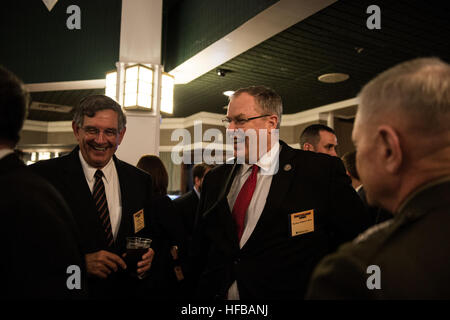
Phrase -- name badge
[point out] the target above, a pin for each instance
(139, 223)
(302, 222)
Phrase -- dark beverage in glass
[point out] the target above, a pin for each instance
(134, 255)
(136, 248)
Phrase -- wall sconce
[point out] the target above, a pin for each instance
(138, 92)
(167, 86)
(111, 85)
(136, 88)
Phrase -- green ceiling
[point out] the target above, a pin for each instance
(193, 25)
(291, 61)
(334, 39)
(38, 46)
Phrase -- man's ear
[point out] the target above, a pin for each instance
(196, 181)
(75, 129)
(392, 154)
(121, 134)
(308, 147)
(273, 122)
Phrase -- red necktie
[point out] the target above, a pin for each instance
(243, 201)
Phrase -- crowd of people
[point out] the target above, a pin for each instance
(314, 228)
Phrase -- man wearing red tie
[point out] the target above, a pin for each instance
(267, 217)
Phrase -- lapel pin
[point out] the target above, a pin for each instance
(287, 167)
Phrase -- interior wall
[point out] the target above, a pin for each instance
(343, 130)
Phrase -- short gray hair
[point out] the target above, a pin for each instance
(266, 98)
(418, 89)
(90, 105)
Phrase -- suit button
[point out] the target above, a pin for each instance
(237, 261)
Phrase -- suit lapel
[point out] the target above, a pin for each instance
(218, 216)
(282, 180)
(125, 184)
(229, 174)
(75, 180)
(77, 188)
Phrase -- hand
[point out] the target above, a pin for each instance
(102, 263)
(145, 263)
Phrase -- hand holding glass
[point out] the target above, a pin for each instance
(136, 248)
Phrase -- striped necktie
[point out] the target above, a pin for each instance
(102, 206)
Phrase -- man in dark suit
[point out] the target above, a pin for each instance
(377, 215)
(109, 199)
(186, 205)
(319, 138)
(38, 237)
(402, 136)
(266, 219)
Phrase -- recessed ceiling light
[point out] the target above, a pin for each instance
(228, 93)
(333, 77)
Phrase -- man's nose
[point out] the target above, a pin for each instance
(100, 138)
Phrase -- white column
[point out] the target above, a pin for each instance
(141, 31)
(330, 120)
(140, 42)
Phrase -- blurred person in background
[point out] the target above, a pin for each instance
(174, 251)
(377, 214)
(319, 138)
(186, 205)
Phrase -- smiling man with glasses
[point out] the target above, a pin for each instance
(259, 231)
(110, 199)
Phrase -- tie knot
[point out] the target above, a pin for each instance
(98, 174)
(255, 169)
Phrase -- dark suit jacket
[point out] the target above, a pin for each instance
(412, 251)
(66, 174)
(377, 214)
(37, 237)
(186, 207)
(273, 264)
(172, 228)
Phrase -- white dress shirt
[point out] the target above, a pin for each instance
(112, 190)
(268, 165)
(197, 192)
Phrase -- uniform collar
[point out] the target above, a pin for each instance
(405, 206)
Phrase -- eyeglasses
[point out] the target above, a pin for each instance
(93, 131)
(240, 122)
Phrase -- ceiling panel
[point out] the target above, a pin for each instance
(335, 39)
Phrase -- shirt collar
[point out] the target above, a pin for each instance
(89, 171)
(196, 192)
(358, 188)
(268, 163)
